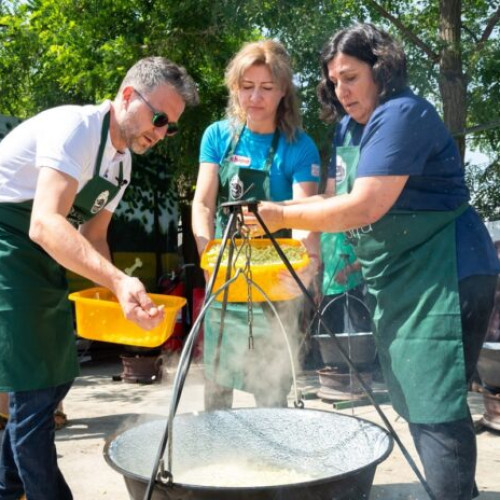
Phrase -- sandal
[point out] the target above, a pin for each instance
(60, 419)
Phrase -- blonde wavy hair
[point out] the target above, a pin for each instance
(272, 54)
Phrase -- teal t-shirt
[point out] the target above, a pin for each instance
(293, 162)
(333, 248)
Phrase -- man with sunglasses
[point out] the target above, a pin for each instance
(62, 174)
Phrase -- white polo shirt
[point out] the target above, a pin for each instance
(65, 138)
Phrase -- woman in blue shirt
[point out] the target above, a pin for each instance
(427, 259)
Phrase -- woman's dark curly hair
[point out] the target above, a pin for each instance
(372, 46)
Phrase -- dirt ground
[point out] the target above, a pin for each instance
(98, 407)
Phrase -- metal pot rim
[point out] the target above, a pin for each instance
(337, 477)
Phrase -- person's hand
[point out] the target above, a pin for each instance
(341, 277)
(136, 304)
(271, 213)
(306, 276)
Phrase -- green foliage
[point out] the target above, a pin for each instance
(486, 189)
(77, 51)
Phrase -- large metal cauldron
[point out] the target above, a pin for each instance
(284, 453)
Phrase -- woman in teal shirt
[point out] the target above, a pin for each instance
(258, 152)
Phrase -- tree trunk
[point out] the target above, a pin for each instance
(452, 82)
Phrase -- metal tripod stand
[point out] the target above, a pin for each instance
(162, 474)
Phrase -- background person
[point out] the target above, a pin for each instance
(341, 274)
(428, 261)
(258, 152)
(493, 334)
(66, 167)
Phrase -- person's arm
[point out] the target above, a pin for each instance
(331, 187)
(49, 228)
(204, 204)
(304, 201)
(95, 231)
(370, 199)
(310, 239)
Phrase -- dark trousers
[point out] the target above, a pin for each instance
(448, 450)
(28, 461)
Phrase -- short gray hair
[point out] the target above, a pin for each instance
(150, 72)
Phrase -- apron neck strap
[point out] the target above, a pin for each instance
(102, 144)
(349, 132)
(272, 150)
(234, 141)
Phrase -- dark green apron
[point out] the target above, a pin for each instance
(409, 265)
(239, 183)
(238, 365)
(37, 343)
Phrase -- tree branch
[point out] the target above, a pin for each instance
(492, 21)
(406, 32)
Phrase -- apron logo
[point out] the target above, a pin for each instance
(341, 170)
(358, 232)
(100, 202)
(236, 188)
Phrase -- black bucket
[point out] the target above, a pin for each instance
(255, 453)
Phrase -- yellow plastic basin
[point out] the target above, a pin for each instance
(264, 275)
(99, 316)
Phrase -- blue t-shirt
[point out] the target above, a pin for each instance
(406, 136)
(293, 162)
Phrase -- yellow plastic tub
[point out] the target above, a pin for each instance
(99, 316)
(264, 275)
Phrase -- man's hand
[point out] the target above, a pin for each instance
(136, 304)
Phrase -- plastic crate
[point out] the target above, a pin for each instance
(99, 316)
(264, 275)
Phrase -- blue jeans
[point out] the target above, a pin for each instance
(28, 460)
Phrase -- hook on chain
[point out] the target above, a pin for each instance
(164, 476)
(299, 403)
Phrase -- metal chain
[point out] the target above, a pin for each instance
(247, 273)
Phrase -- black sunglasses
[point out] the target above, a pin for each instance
(160, 119)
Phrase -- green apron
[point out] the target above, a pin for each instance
(37, 343)
(409, 265)
(239, 367)
(335, 245)
(239, 183)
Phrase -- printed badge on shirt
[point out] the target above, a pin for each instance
(240, 161)
(315, 170)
